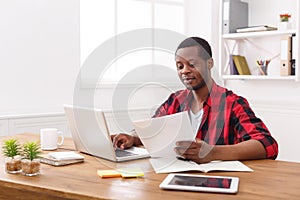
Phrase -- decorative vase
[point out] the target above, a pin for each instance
(13, 165)
(284, 25)
(31, 168)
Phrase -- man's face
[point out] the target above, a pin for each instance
(192, 70)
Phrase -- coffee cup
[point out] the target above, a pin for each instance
(49, 138)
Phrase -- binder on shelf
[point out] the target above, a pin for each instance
(235, 15)
(285, 55)
(241, 65)
(232, 67)
(294, 45)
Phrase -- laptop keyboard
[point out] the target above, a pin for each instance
(122, 153)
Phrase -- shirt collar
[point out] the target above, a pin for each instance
(190, 97)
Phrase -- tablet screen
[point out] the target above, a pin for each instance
(201, 181)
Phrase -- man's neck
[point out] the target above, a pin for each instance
(200, 96)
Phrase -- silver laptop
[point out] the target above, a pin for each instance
(90, 134)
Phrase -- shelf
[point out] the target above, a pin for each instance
(260, 45)
(258, 34)
(257, 77)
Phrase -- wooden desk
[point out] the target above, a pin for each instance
(270, 180)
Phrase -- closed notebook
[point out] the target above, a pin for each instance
(241, 65)
(47, 159)
(61, 158)
(256, 28)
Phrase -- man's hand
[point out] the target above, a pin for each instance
(199, 151)
(122, 141)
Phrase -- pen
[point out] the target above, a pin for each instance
(259, 64)
(184, 159)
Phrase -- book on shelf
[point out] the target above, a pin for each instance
(294, 46)
(241, 65)
(232, 67)
(255, 29)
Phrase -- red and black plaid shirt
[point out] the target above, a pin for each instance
(227, 118)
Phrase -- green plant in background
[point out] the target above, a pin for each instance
(31, 150)
(11, 148)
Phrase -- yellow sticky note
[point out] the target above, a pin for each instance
(108, 173)
(131, 172)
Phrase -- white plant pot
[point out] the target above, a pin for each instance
(284, 26)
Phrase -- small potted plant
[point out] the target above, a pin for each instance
(11, 150)
(31, 161)
(284, 23)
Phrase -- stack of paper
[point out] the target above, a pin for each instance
(255, 28)
(61, 158)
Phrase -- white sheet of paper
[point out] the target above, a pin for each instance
(66, 155)
(159, 135)
(167, 165)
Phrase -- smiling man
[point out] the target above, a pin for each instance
(225, 126)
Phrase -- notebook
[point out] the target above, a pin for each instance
(61, 158)
(90, 134)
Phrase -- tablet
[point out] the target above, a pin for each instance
(200, 183)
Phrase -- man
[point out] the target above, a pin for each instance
(226, 127)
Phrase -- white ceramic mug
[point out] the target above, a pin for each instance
(49, 138)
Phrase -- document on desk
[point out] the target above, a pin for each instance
(159, 135)
(167, 165)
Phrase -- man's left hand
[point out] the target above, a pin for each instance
(199, 151)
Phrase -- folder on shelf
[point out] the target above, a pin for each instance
(294, 46)
(235, 14)
(232, 67)
(241, 65)
(285, 55)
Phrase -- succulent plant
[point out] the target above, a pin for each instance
(11, 148)
(31, 150)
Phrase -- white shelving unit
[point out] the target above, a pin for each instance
(261, 45)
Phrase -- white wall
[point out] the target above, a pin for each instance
(39, 55)
(277, 103)
(201, 23)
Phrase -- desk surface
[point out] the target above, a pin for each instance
(270, 180)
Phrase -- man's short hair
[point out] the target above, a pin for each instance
(204, 47)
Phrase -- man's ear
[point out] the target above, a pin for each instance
(210, 63)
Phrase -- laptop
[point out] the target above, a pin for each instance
(90, 134)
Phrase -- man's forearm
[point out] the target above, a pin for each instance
(248, 150)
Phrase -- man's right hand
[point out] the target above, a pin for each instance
(122, 140)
